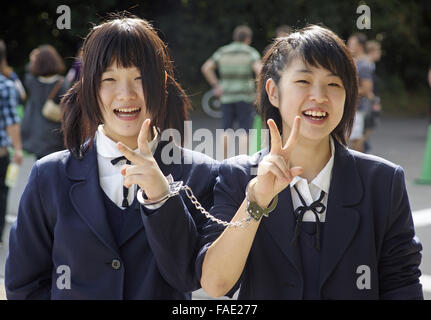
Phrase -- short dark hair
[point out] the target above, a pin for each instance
(128, 41)
(242, 33)
(2, 50)
(372, 45)
(47, 62)
(318, 47)
(4, 68)
(362, 39)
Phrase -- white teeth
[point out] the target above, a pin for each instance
(130, 110)
(315, 113)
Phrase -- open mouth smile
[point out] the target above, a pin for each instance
(127, 113)
(317, 116)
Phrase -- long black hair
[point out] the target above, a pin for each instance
(317, 47)
(128, 41)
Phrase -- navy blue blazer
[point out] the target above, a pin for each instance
(369, 232)
(62, 223)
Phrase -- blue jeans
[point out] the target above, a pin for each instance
(4, 162)
(241, 111)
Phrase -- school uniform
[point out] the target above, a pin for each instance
(68, 223)
(367, 244)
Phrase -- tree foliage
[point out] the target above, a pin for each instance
(193, 29)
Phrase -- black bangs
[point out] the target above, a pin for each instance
(122, 45)
(127, 41)
(320, 50)
(317, 47)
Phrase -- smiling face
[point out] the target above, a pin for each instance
(314, 93)
(122, 103)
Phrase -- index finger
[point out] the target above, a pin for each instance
(143, 145)
(294, 134)
(275, 137)
(129, 153)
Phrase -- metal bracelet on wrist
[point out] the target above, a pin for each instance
(174, 189)
(255, 211)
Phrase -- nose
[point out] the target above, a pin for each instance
(318, 93)
(126, 91)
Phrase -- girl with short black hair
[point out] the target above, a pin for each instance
(81, 231)
(338, 223)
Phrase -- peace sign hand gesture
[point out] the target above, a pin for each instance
(273, 172)
(145, 172)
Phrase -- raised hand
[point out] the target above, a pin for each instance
(273, 173)
(145, 171)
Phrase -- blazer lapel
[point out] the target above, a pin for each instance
(342, 220)
(280, 224)
(166, 153)
(134, 223)
(86, 196)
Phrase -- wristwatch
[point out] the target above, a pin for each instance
(255, 211)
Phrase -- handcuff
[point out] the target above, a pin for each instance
(174, 189)
(255, 211)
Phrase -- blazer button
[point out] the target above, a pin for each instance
(116, 264)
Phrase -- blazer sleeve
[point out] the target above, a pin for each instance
(401, 251)
(229, 192)
(29, 264)
(173, 231)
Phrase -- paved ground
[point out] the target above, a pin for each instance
(400, 140)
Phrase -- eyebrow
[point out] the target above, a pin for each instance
(330, 74)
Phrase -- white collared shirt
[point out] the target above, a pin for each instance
(110, 177)
(310, 192)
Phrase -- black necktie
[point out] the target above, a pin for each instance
(317, 207)
(125, 203)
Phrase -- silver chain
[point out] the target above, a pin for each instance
(237, 224)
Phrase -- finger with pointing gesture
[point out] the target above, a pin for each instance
(273, 173)
(145, 171)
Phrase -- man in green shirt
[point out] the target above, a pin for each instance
(237, 64)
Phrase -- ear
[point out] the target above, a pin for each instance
(272, 92)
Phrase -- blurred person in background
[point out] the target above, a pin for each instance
(237, 64)
(75, 70)
(374, 54)
(9, 132)
(41, 136)
(356, 44)
(9, 73)
(429, 83)
(281, 31)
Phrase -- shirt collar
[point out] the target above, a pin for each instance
(323, 179)
(49, 79)
(107, 148)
